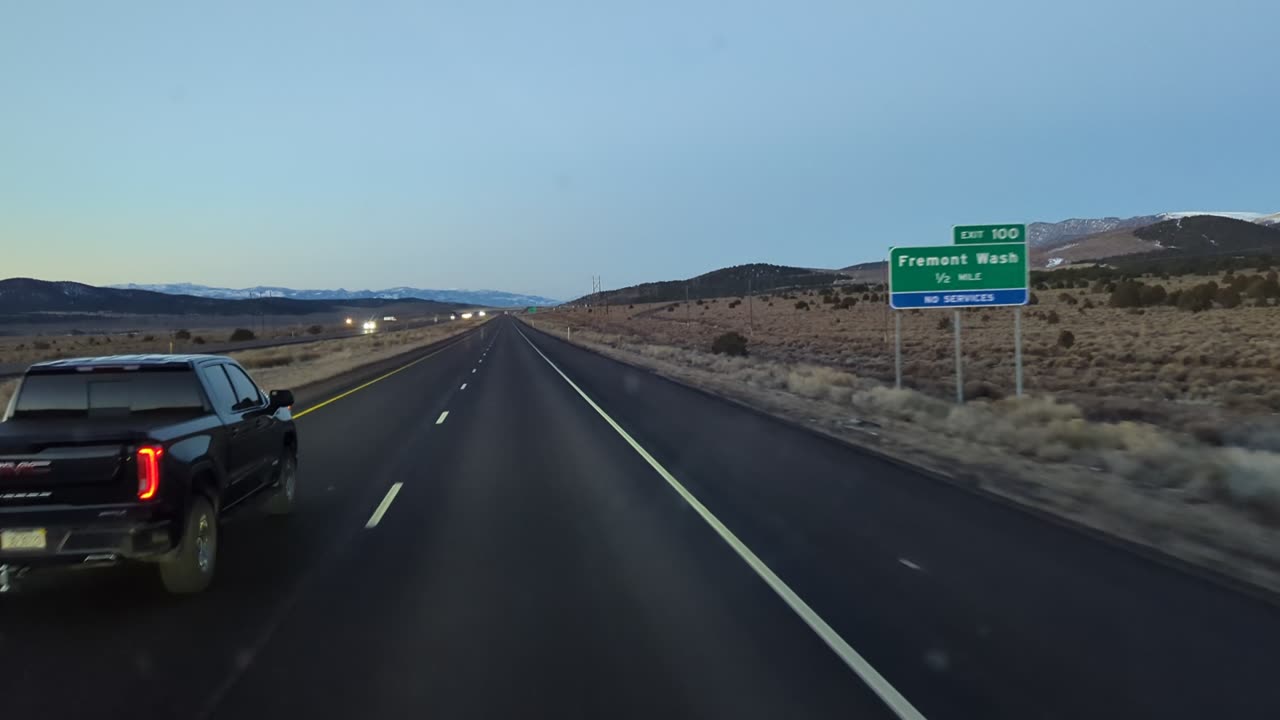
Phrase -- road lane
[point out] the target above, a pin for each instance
(1002, 615)
(532, 566)
(130, 651)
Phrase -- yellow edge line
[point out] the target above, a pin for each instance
(380, 378)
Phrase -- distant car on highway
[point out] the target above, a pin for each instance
(136, 458)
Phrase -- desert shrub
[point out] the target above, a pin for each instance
(1041, 286)
(40, 345)
(698, 301)
(1127, 294)
(802, 305)
(730, 343)
(1228, 297)
(315, 329)
(1052, 318)
(197, 340)
(309, 356)
(182, 335)
(734, 304)
(828, 299)
(241, 334)
(1066, 339)
(268, 361)
(1068, 298)
(875, 297)
(1198, 298)
(1152, 295)
(1087, 304)
(1033, 299)
(671, 308)
(848, 302)
(148, 338)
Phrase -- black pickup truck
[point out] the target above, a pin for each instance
(137, 458)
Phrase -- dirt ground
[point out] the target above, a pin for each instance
(1165, 366)
(293, 366)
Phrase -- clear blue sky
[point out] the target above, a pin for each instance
(526, 146)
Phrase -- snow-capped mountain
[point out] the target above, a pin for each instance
(1042, 235)
(487, 298)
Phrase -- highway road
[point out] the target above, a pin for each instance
(510, 526)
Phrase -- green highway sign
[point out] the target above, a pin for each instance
(955, 276)
(532, 309)
(982, 234)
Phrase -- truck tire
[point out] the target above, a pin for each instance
(281, 503)
(190, 569)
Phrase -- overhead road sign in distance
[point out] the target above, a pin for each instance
(956, 276)
(983, 234)
(531, 309)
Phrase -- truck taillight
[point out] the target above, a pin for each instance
(149, 471)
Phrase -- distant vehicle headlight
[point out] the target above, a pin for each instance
(481, 313)
(370, 325)
(453, 317)
(466, 316)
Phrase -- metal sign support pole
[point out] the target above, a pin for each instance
(897, 349)
(959, 365)
(1017, 349)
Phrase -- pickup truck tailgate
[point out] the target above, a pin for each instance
(90, 468)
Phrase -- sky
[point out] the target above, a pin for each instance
(527, 146)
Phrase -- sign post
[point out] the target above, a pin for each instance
(986, 267)
(959, 364)
(897, 350)
(1017, 350)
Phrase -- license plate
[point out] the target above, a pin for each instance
(33, 539)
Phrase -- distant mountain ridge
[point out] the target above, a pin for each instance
(1043, 235)
(1178, 234)
(486, 298)
(31, 297)
(758, 277)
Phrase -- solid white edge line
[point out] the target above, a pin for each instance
(382, 506)
(443, 415)
(863, 669)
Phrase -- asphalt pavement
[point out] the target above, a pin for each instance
(512, 526)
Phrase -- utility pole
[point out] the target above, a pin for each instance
(751, 309)
(687, 310)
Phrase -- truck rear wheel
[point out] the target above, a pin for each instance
(190, 570)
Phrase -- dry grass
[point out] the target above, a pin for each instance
(1157, 485)
(1165, 366)
(6, 391)
(294, 366)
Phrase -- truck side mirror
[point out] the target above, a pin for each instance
(281, 398)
